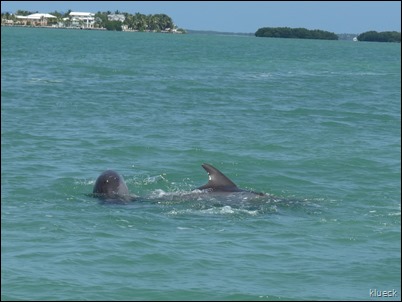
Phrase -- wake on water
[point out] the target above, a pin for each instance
(216, 203)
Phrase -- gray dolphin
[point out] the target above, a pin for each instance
(110, 186)
(218, 182)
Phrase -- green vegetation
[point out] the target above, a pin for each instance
(140, 22)
(385, 36)
(24, 12)
(113, 25)
(295, 33)
(111, 21)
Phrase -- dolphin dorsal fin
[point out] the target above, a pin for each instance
(216, 179)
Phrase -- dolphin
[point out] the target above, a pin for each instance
(110, 186)
(218, 182)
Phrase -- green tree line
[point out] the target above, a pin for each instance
(295, 33)
(385, 36)
(137, 21)
(140, 22)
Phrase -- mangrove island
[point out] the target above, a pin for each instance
(295, 33)
(385, 36)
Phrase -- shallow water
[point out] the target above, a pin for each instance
(316, 124)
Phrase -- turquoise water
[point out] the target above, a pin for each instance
(317, 124)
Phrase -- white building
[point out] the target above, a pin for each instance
(36, 19)
(116, 17)
(82, 19)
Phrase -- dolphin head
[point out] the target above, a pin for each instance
(111, 185)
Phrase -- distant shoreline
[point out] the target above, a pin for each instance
(53, 27)
(86, 28)
(342, 37)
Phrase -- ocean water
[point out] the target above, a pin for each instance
(316, 124)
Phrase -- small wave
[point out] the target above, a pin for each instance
(159, 193)
(225, 210)
(305, 73)
(154, 179)
(178, 195)
(42, 80)
(84, 182)
(229, 210)
(148, 180)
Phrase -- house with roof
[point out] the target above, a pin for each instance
(82, 19)
(36, 19)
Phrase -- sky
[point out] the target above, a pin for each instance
(244, 16)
